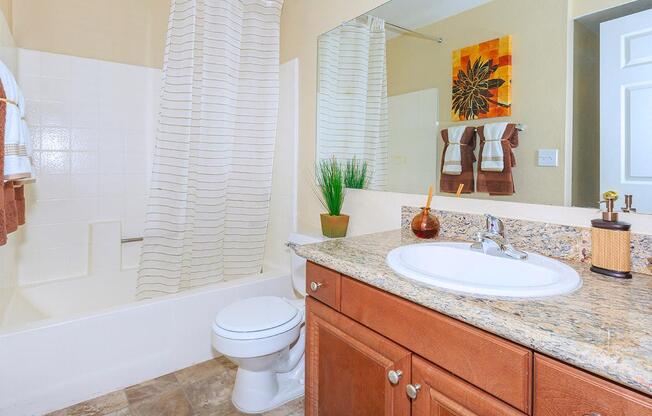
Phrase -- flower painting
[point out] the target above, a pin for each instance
(482, 80)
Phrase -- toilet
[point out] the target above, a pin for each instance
(265, 337)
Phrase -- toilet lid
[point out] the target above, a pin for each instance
(257, 314)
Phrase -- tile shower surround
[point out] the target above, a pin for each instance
(92, 124)
(561, 241)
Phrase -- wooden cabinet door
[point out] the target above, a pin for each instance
(347, 368)
(561, 390)
(442, 394)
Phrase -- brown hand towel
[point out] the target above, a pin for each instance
(19, 195)
(450, 183)
(499, 183)
(11, 214)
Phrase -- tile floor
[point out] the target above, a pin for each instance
(200, 390)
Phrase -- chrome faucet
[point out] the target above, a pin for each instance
(494, 235)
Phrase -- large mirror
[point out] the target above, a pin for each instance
(501, 99)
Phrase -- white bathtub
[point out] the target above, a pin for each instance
(68, 341)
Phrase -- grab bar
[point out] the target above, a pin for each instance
(131, 240)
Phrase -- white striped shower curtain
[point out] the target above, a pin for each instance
(352, 96)
(212, 167)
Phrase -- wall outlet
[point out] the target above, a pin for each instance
(548, 157)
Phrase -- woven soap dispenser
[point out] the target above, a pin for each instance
(610, 242)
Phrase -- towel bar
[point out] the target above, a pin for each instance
(131, 240)
(519, 127)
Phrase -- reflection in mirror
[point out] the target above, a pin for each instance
(612, 130)
(476, 97)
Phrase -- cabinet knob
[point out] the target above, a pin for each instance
(592, 414)
(412, 390)
(314, 286)
(394, 376)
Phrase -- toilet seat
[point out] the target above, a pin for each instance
(257, 318)
(257, 326)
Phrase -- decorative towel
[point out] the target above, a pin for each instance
(12, 199)
(450, 182)
(17, 143)
(493, 157)
(452, 154)
(3, 217)
(499, 182)
(11, 213)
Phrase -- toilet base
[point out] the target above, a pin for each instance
(262, 391)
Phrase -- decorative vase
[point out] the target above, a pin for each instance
(334, 226)
(425, 225)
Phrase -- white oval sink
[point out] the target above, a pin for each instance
(454, 266)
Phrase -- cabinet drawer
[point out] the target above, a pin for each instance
(323, 284)
(491, 363)
(441, 393)
(561, 390)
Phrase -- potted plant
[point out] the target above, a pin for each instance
(356, 174)
(330, 180)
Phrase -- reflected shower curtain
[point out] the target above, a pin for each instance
(212, 169)
(353, 96)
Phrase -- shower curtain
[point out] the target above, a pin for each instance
(352, 96)
(212, 167)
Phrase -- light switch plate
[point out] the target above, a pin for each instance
(548, 157)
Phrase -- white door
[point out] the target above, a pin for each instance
(626, 108)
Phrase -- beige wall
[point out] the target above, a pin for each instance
(8, 53)
(538, 73)
(126, 31)
(586, 117)
(583, 7)
(5, 9)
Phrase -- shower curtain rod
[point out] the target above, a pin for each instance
(414, 33)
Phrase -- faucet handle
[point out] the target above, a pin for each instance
(495, 225)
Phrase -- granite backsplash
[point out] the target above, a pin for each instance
(561, 241)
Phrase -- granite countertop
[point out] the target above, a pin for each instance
(605, 327)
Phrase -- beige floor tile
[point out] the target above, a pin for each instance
(170, 403)
(211, 396)
(200, 390)
(151, 388)
(108, 405)
(205, 370)
(294, 408)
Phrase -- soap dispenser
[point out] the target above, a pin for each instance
(611, 242)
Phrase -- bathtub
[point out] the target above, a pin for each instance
(67, 341)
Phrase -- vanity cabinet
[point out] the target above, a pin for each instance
(369, 352)
(348, 367)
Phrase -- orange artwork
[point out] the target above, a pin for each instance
(482, 80)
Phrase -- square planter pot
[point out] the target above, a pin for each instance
(334, 226)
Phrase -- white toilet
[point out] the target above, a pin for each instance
(265, 337)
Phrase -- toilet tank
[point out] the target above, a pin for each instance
(298, 264)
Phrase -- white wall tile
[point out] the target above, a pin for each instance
(84, 163)
(54, 113)
(29, 63)
(92, 124)
(84, 139)
(55, 138)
